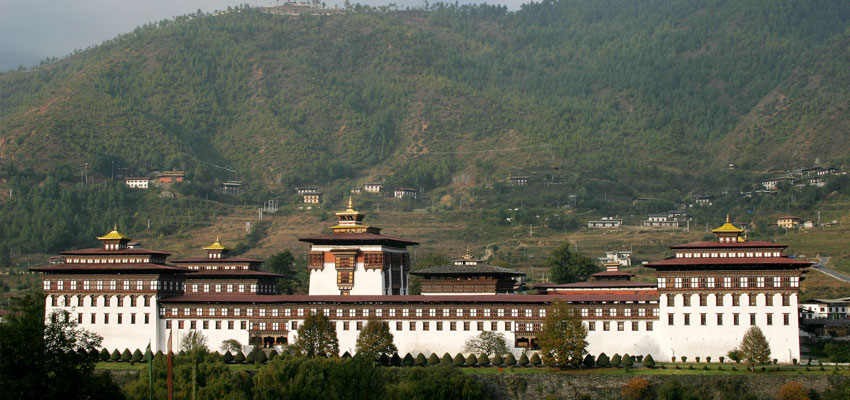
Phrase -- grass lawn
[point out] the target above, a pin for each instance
(111, 365)
(670, 370)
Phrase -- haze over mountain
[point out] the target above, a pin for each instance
(659, 94)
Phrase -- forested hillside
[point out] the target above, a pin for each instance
(655, 92)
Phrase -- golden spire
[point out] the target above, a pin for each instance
(727, 218)
(468, 254)
(114, 235)
(350, 203)
(216, 246)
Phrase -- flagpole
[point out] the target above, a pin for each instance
(169, 367)
(150, 371)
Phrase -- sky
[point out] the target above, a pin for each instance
(32, 30)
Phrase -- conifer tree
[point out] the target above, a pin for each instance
(239, 358)
(458, 360)
(497, 360)
(317, 337)
(471, 360)
(648, 361)
(126, 355)
(116, 356)
(754, 347)
(602, 360)
(535, 360)
(227, 357)
(523, 360)
(446, 359)
(510, 359)
(420, 361)
(563, 337)
(433, 359)
(408, 360)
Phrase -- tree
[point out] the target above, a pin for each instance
(375, 339)
(446, 359)
(563, 337)
(536, 361)
(231, 345)
(239, 358)
(566, 266)
(497, 360)
(648, 361)
(616, 360)
(261, 357)
(395, 361)
(734, 355)
(793, 390)
(433, 359)
(602, 360)
(283, 263)
(137, 356)
(754, 347)
(627, 360)
(194, 343)
(227, 358)
(458, 360)
(483, 360)
(471, 360)
(104, 354)
(408, 360)
(635, 389)
(510, 359)
(49, 358)
(116, 355)
(523, 360)
(317, 337)
(487, 342)
(126, 356)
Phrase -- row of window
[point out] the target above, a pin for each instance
(95, 301)
(230, 325)
(119, 318)
(725, 254)
(380, 312)
(726, 282)
(621, 326)
(719, 299)
(719, 319)
(114, 260)
(217, 267)
(617, 312)
(49, 284)
(230, 288)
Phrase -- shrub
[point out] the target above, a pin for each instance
(648, 361)
(673, 360)
(104, 354)
(602, 360)
(459, 360)
(684, 359)
(471, 360)
(261, 357)
(794, 361)
(408, 360)
(433, 359)
(523, 360)
(420, 361)
(721, 359)
(483, 359)
(395, 360)
(793, 390)
(497, 360)
(589, 362)
(708, 359)
(137, 356)
(775, 361)
(251, 358)
(126, 355)
(536, 361)
(447, 359)
(616, 360)
(384, 360)
(635, 389)
(227, 358)
(510, 360)
(273, 354)
(627, 360)
(697, 359)
(346, 355)
(239, 358)
(116, 356)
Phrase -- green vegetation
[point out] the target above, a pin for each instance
(317, 337)
(563, 339)
(375, 340)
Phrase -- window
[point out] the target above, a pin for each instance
(412, 325)
(193, 325)
(132, 318)
(770, 319)
(480, 326)
(752, 319)
(399, 326)
(452, 326)
(687, 319)
(79, 318)
(93, 318)
(230, 325)
(293, 325)
(466, 325)
(591, 325)
(105, 301)
(132, 301)
(703, 300)
(425, 326)
(620, 326)
(345, 325)
(686, 300)
(669, 319)
(648, 325)
(106, 318)
(359, 325)
(768, 299)
(736, 299)
(439, 325)
(752, 298)
(786, 319)
(702, 319)
(206, 325)
(494, 326)
(147, 318)
(606, 326)
(786, 299)
(719, 319)
(736, 320)
(507, 326)
(718, 299)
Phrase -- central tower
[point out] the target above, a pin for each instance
(355, 259)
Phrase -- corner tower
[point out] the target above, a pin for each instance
(355, 259)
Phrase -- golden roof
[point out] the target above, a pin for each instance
(216, 246)
(727, 227)
(350, 210)
(114, 235)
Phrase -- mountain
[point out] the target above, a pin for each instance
(658, 93)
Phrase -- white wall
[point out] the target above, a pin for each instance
(115, 336)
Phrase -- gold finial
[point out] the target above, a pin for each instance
(115, 227)
(727, 218)
(216, 239)
(350, 203)
(468, 254)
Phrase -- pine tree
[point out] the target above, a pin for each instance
(420, 361)
(458, 360)
(523, 360)
(239, 358)
(126, 355)
(602, 360)
(627, 360)
(563, 338)
(408, 360)
(648, 361)
(535, 360)
(588, 361)
(104, 354)
(616, 360)
(471, 360)
(116, 356)
(433, 359)
(317, 337)
(261, 357)
(446, 359)
(754, 347)
(227, 357)
(483, 360)
(395, 360)
(497, 360)
(137, 356)
(510, 359)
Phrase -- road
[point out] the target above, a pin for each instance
(821, 267)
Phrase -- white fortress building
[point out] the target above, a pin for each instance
(704, 300)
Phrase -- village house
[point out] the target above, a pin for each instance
(373, 187)
(312, 197)
(137, 182)
(401, 193)
(788, 222)
(307, 189)
(605, 222)
(173, 176)
(231, 187)
(518, 180)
